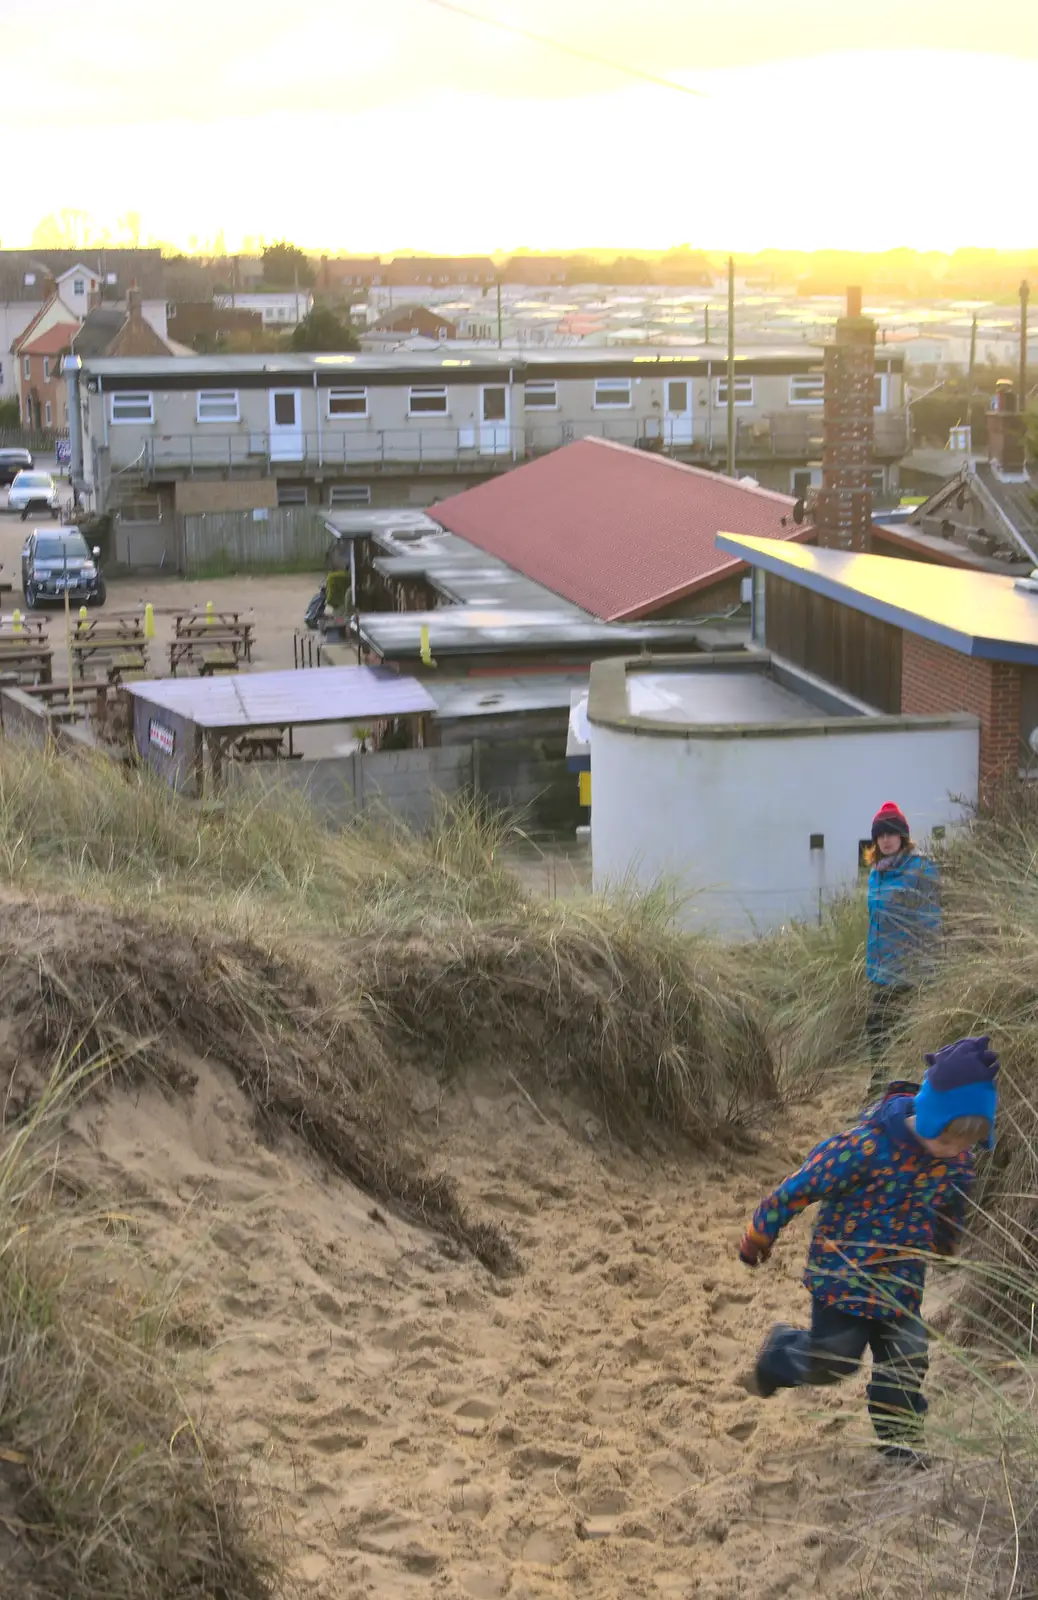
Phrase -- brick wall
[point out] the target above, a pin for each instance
(936, 679)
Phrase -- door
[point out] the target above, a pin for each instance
(286, 429)
(494, 431)
(677, 411)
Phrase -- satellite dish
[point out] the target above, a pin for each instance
(799, 511)
(1032, 740)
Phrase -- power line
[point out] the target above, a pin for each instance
(568, 49)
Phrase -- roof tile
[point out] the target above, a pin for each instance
(618, 532)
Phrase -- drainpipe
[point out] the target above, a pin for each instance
(511, 412)
(71, 367)
(317, 404)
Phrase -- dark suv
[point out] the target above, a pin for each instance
(14, 461)
(58, 559)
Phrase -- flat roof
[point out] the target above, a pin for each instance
(979, 614)
(457, 360)
(287, 699)
(498, 695)
(477, 630)
(713, 697)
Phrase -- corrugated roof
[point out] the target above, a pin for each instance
(52, 341)
(616, 531)
(283, 699)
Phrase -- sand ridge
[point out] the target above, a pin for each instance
(422, 1427)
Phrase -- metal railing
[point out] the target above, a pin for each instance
(780, 435)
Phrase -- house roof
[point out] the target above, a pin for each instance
(98, 329)
(51, 342)
(79, 270)
(616, 531)
(979, 614)
(283, 699)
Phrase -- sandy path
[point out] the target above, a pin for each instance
(426, 1429)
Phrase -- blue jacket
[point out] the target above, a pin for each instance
(885, 1206)
(904, 919)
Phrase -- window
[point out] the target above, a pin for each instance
(46, 368)
(427, 400)
(28, 367)
(218, 405)
(350, 494)
(612, 392)
(131, 407)
(47, 415)
(743, 391)
(291, 494)
(879, 391)
(78, 287)
(347, 402)
(806, 389)
(541, 397)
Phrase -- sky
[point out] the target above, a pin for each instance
(350, 126)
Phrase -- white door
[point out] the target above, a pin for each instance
(494, 431)
(677, 411)
(286, 426)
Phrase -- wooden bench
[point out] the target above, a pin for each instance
(260, 744)
(225, 625)
(129, 653)
(217, 661)
(212, 641)
(28, 659)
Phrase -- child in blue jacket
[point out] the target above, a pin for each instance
(904, 926)
(892, 1193)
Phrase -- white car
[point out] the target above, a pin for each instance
(34, 491)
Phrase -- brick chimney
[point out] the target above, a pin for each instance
(133, 305)
(1006, 431)
(843, 504)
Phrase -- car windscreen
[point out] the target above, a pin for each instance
(35, 480)
(58, 549)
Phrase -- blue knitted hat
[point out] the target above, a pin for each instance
(959, 1082)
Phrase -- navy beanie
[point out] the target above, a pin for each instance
(889, 819)
(959, 1082)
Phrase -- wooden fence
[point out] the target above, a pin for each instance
(289, 538)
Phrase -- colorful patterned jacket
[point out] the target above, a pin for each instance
(885, 1206)
(904, 919)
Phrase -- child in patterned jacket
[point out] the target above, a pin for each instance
(892, 1192)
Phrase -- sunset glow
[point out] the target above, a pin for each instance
(350, 127)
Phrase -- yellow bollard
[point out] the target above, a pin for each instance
(82, 617)
(209, 612)
(149, 621)
(16, 622)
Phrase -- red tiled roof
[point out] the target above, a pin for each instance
(52, 341)
(616, 531)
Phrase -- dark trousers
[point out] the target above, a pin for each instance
(887, 1001)
(833, 1349)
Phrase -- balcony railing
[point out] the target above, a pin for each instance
(779, 436)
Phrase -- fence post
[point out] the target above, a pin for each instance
(476, 773)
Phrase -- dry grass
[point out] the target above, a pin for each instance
(109, 1488)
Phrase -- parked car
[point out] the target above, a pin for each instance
(14, 461)
(54, 560)
(36, 492)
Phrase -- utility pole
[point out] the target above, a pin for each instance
(730, 467)
(973, 345)
(1025, 294)
(499, 340)
(706, 325)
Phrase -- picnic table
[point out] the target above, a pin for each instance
(261, 744)
(27, 656)
(123, 653)
(207, 625)
(215, 648)
(29, 628)
(116, 625)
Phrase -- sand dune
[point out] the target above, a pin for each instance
(423, 1427)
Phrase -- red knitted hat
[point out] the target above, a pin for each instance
(889, 819)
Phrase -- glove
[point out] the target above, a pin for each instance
(754, 1248)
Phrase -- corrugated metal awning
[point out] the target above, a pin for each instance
(288, 699)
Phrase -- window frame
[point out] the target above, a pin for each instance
(48, 415)
(361, 495)
(131, 395)
(78, 288)
(541, 384)
(27, 368)
(613, 405)
(209, 394)
(806, 377)
(46, 369)
(740, 377)
(428, 389)
(347, 389)
(293, 492)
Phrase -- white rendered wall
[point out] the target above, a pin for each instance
(728, 820)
